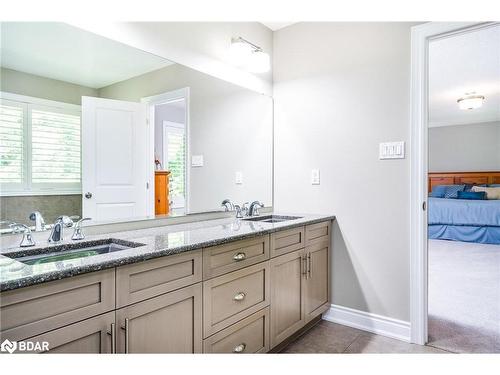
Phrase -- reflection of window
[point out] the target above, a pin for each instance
(40, 146)
(175, 161)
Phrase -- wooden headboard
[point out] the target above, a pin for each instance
(457, 178)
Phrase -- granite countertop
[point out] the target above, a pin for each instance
(153, 243)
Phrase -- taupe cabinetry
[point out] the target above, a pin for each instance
(218, 260)
(245, 296)
(28, 312)
(249, 335)
(287, 295)
(300, 283)
(231, 297)
(286, 241)
(170, 323)
(317, 285)
(139, 281)
(94, 335)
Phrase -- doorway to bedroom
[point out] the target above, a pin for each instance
(463, 212)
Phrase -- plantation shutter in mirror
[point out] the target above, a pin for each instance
(55, 147)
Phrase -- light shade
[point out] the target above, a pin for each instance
(470, 102)
(259, 62)
(240, 51)
(249, 56)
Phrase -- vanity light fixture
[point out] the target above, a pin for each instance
(249, 56)
(470, 101)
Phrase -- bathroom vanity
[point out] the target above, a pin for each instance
(217, 286)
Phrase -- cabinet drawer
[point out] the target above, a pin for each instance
(231, 297)
(30, 311)
(250, 335)
(318, 232)
(219, 260)
(91, 336)
(287, 241)
(140, 281)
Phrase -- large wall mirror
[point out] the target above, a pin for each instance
(90, 127)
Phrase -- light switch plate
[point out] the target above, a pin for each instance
(196, 160)
(392, 150)
(238, 178)
(315, 180)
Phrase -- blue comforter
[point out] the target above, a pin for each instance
(464, 212)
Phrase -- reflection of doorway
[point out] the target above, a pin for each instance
(169, 140)
(174, 160)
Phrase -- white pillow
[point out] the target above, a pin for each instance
(491, 192)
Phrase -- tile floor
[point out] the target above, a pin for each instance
(327, 337)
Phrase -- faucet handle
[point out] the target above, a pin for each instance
(66, 221)
(245, 208)
(27, 239)
(78, 232)
(239, 211)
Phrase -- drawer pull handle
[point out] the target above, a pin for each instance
(112, 333)
(239, 257)
(126, 329)
(240, 296)
(240, 348)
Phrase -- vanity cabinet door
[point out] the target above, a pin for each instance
(170, 323)
(317, 285)
(91, 336)
(287, 295)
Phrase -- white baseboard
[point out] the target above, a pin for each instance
(381, 325)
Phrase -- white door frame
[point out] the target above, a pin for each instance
(153, 101)
(420, 37)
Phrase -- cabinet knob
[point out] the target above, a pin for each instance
(88, 195)
(239, 257)
(239, 296)
(240, 348)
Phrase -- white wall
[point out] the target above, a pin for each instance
(199, 45)
(339, 90)
(465, 148)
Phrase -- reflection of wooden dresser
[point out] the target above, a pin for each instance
(162, 206)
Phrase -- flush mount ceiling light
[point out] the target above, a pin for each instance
(249, 56)
(470, 101)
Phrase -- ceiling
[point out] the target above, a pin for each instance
(462, 64)
(63, 52)
(277, 25)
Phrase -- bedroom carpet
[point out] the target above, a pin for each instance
(464, 297)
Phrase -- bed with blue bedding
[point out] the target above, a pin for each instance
(464, 220)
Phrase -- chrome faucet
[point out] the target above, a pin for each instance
(27, 239)
(78, 233)
(254, 208)
(39, 222)
(56, 234)
(228, 205)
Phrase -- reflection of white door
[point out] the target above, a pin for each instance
(174, 160)
(114, 159)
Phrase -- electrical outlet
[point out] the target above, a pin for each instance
(315, 177)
